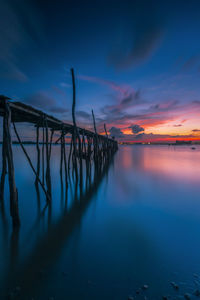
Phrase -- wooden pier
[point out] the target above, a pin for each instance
(86, 147)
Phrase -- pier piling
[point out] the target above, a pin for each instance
(89, 151)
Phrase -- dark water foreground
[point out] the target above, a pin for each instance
(138, 224)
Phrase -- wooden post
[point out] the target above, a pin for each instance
(38, 154)
(95, 142)
(51, 140)
(61, 159)
(70, 153)
(29, 160)
(84, 150)
(65, 162)
(14, 212)
(94, 122)
(3, 99)
(43, 152)
(105, 130)
(4, 165)
(80, 160)
(48, 175)
(75, 134)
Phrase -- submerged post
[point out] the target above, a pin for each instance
(65, 162)
(95, 143)
(7, 141)
(48, 175)
(30, 163)
(38, 154)
(75, 134)
(43, 150)
(61, 159)
(85, 147)
(4, 164)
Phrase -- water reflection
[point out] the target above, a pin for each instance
(181, 163)
(28, 275)
(135, 223)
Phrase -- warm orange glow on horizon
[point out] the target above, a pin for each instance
(167, 139)
(127, 131)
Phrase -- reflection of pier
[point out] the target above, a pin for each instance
(86, 147)
(29, 274)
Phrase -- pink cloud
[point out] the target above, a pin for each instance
(108, 83)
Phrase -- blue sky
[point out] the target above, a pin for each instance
(136, 62)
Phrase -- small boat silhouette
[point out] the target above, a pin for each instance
(193, 148)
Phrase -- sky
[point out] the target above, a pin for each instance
(137, 63)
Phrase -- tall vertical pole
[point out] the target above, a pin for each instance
(61, 159)
(76, 133)
(65, 162)
(48, 175)
(43, 151)
(95, 142)
(14, 212)
(4, 165)
(70, 153)
(51, 140)
(105, 130)
(38, 154)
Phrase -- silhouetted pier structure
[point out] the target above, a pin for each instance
(86, 147)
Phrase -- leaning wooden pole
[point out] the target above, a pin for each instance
(14, 211)
(30, 162)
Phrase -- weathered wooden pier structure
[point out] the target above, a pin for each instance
(88, 150)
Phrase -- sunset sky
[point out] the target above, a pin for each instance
(137, 63)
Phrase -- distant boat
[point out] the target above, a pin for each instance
(193, 148)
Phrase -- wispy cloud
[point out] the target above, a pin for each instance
(83, 114)
(191, 63)
(130, 107)
(43, 101)
(140, 37)
(20, 29)
(101, 81)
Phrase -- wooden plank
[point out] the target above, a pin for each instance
(14, 212)
(24, 113)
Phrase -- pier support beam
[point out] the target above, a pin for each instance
(48, 175)
(43, 152)
(86, 147)
(75, 133)
(7, 141)
(61, 159)
(30, 163)
(4, 167)
(65, 162)
(38, 154)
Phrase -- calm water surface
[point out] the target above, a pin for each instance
(139, 224)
